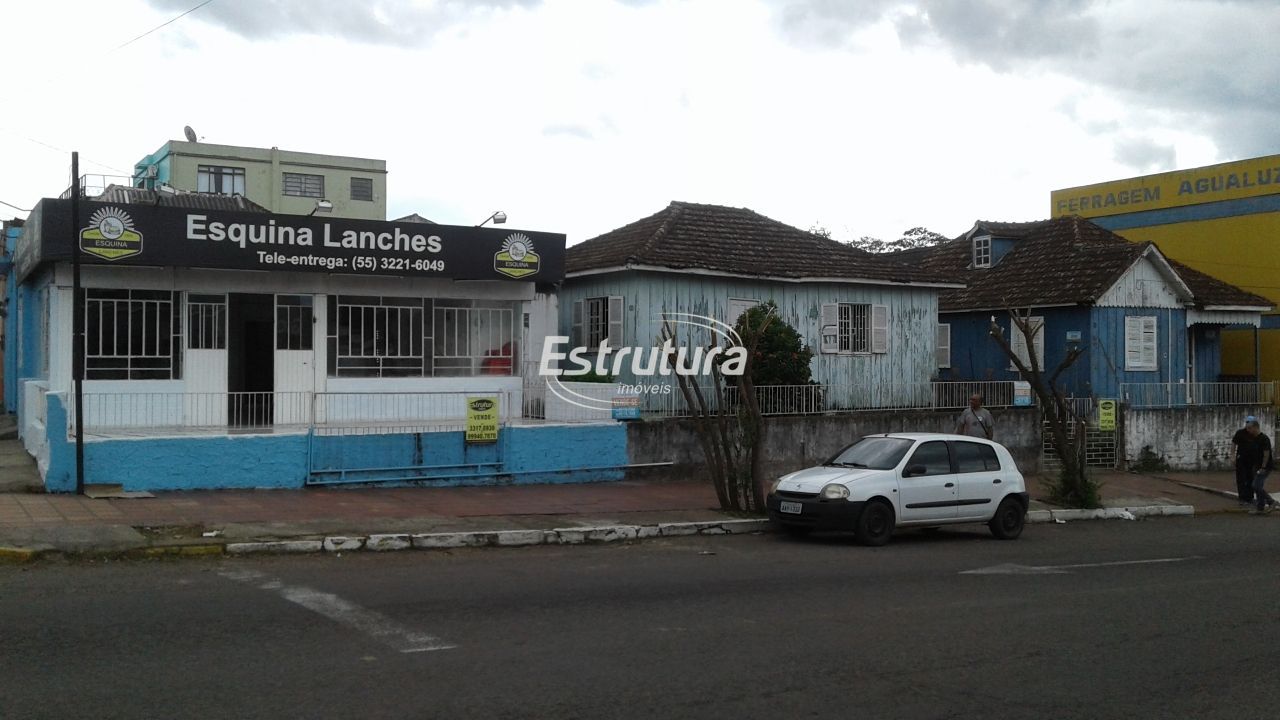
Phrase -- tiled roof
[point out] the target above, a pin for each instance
(180, 199)
(736, 241)
(1209, 291)
(1063, 261)
(414, 218)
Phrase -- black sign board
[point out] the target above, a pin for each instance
(134, 234)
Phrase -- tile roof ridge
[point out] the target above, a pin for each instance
(675, 210)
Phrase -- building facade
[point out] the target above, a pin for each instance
(227, 346)
(1149, 328)
(870, 322)
(1219, 219)
(282, 181)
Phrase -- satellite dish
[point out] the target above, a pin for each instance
(191, 134)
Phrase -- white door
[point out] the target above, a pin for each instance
(929, 493)
(205, 401)
(294, 359)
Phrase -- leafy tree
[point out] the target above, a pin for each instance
(915, 237)
(781, 357)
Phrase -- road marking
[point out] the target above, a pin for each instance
(344, 612)
(1014, 569)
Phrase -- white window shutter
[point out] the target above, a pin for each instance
(1149, 358)
(829, 329)
(615, 320)
(1017, 343)
(575, 334)
(879, 328)
(944, 345)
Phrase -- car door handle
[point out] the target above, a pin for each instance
(949, 485)
(996, 481)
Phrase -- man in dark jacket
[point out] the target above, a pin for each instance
(1242, 441)
(1261, 457)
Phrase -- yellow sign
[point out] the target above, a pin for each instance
(482, 419)
(1228, 181)
(111, 235)
(1106, 414)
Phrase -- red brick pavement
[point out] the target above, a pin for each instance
(248, 506)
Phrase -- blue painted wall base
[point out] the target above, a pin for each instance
(523, 455)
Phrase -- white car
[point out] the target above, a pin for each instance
(922, 480)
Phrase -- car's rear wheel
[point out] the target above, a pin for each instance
(1009, 519)
(875, 524)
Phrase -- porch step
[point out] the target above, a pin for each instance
(18, 472)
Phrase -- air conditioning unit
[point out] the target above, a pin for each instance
(152, 171)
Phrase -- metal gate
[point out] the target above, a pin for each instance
(400, 437)
(1101, 446)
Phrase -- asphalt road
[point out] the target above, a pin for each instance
(733, 627)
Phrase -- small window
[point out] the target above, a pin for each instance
(362, 189)
(300, 185)
(206, 322)
(1018, 341)
(975, 457)
(220, 180)
(934, 457)
(596, 320)
(943, 347)
(293, 322)
(982, 251)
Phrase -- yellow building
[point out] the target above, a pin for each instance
(1223, 220)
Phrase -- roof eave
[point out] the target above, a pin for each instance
(771, 278)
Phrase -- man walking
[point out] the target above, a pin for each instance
(1243, 441)
(1262, 465)
(976, 421)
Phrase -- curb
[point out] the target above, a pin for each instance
(1121, 513)
(18, 555)
(497, 538)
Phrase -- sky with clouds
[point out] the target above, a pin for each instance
(579, 116)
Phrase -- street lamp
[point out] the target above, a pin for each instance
(498, 218)
(323, 206)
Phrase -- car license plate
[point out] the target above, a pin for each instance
(791, 507)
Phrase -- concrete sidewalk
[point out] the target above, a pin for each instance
(390, 518)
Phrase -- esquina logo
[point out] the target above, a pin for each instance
(110, 235)
(517, 259)
(644, 363)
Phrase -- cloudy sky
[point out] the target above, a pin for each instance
(578, 116)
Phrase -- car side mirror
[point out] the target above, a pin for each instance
(914, 470)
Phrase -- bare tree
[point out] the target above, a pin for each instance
(728, 424)
(1068, 431)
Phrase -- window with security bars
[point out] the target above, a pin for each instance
(362, 189)
(220, 180)
(303, 185)
(206, 322)
(132, 335)
(855, 328)
(411, 337)
(293, 322)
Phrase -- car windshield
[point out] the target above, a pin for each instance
(876, 453)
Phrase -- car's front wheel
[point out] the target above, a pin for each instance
(875, 524)
(1009, 519)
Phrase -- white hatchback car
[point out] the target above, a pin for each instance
(923, 480)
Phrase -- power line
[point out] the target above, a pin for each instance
(179, 17)
(15, 207)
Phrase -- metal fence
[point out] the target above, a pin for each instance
(822, 399)
(327, 413)
(1163, 395)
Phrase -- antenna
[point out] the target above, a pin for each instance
(191, 134)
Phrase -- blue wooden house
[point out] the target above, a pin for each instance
(869, 320)
(1139, 316)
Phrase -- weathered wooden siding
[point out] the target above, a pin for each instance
(1107, 329)
(1142, 286)
(912, 317)
(975, 356)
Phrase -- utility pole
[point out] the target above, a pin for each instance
(77, 321)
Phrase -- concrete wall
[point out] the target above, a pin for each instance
(1191, 438)
(796, 442)
(523, 455)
